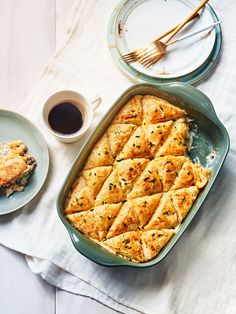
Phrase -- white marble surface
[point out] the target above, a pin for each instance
(30, 31)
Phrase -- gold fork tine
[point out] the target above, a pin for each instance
(146, 54)
(132, 55)
(141, 53)
(129, 57)
(147, 62)
(160, 47)
(136, 54)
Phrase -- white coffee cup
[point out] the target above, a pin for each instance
(85, 106)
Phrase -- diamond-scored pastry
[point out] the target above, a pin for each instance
(154, 240)
(138, 184)
(134, 214)
(126, 220)
(100, 155)
(118, 134)
(128, 244)
(95, 178)
(165, 216)
(158, 110)
(86, 188)
(80, 198)
(183, 199)
(96, 221)
(148, 183)
(111, 192)
(131, 113)
(128, 172)
(85, 222)
(104, 216)
(145, 141)
(168, 169)
(175, 144)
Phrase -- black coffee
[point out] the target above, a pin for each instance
(65, 118)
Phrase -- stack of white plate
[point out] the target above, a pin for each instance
(134, 23)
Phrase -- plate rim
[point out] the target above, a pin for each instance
(16, 114)
(138, 77)
(160, 77)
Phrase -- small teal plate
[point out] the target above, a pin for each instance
(210, 136)
(15, 127)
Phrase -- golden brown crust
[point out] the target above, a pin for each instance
(15, 166)
(158, 110)
(128, 172)
(100, 155)
(138, 184)
(145, 141)
(134, 214)
(118, 135)
(183, 200)
(145, 206)
(165, 216)
(175, 144)
(95, 178)
(17, 147)
(11, 169)
(138, 146)
(79, 200)
(111, 192)
(127, 244)
(104, 216)
(126, 220)
(201, 175)
(85, 222)
(168, 169)
(131, 113)
(148, 183)
(154, 240)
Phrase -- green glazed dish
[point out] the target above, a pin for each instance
(210, 148)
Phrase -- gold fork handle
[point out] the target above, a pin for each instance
(172, 29)
(186, 20)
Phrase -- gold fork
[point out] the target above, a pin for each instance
(149, 57)
(138, 53)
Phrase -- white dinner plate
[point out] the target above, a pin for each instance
(140, 21)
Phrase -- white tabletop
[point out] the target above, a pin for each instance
(30, 31)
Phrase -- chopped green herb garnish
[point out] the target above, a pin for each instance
(118, 160)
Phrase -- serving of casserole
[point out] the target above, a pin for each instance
(135, 186)
(15, 166)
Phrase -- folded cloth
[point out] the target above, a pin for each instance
(198, 274)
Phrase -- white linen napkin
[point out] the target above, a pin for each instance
(198, 275)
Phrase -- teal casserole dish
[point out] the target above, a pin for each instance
(210, 145)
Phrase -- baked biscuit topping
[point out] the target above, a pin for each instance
(138, 184)
(15, 167)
